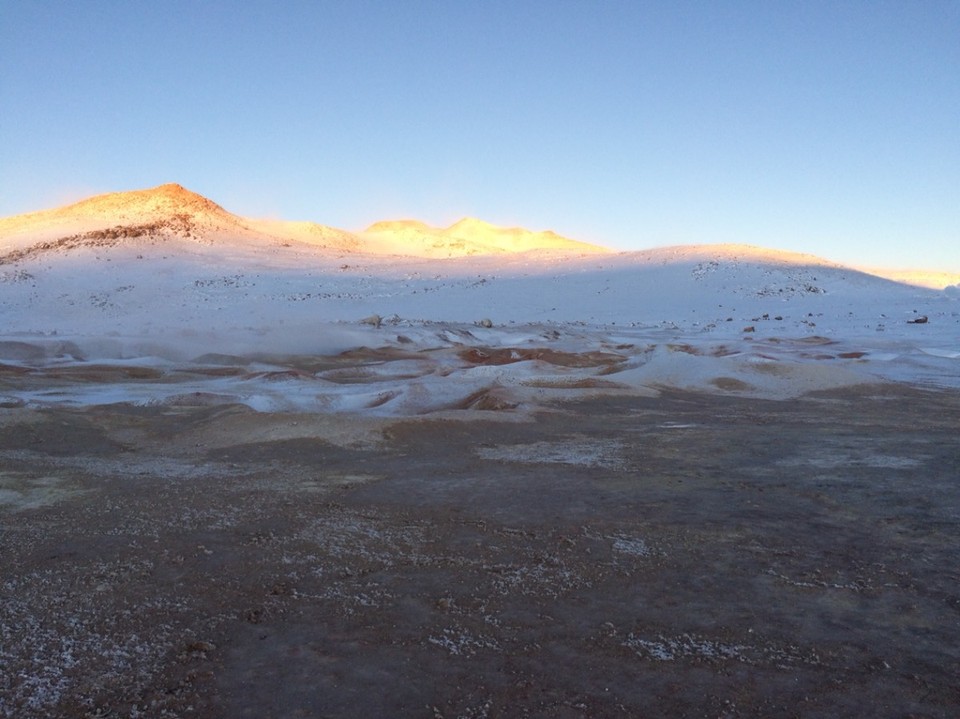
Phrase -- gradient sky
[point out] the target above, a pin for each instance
(823, 127)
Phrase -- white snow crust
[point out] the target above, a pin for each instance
(506, 330)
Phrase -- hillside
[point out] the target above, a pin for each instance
(468, 236)
(172, 214)
(172, 219)
(165, 275)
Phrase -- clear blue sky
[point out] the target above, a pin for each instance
(825, 127)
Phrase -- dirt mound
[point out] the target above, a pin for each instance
(509, 355)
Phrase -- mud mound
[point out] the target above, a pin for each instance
(509, 355)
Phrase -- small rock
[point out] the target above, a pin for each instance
(921, 320)
(750, 328)
(485, 322)
(373, 320)
(201, 647)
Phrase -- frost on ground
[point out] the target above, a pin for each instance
(64, 645)
(22, 490)
(291, 329)
(586, 452)
(779, 557)
(255, 469)
(700, 649)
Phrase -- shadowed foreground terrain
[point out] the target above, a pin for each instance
(681, 555)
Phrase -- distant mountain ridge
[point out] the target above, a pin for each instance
(470, 236)
(175, 219)
(171, 212)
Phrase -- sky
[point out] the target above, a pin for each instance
(824, 127)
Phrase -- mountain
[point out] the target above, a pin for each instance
(933, 279)
(454, 314)
(167, 208)
(172, 220)
(173, 215)
(469, 236)
(169, 216)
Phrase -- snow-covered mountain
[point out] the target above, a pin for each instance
(168, 215)
(469, 236)
(173, 215)
(164, 278)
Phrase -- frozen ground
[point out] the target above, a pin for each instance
(266, 328)
(684, 555)
(234, 480)
(178, 297)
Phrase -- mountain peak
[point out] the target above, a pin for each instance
(165, 212)
(395, 225)
(172, 189)
(163, 199)
(467, 236)
(471, 224)
(169, 187)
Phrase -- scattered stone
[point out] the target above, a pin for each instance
(921, 320)
(201, 647)
(749, 328)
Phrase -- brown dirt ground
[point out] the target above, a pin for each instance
(681, 555)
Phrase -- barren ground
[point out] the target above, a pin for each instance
(683, 555)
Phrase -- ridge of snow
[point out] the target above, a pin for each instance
(394, 225)
(468, 236)
(187, 222)
(492, 330)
